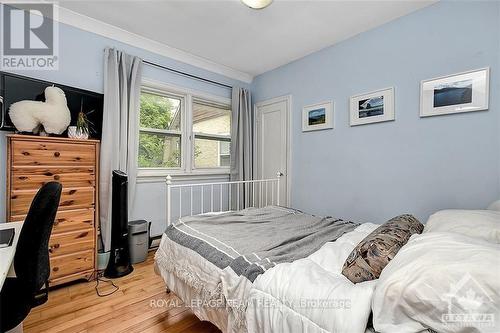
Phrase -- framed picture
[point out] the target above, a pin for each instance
(457, 93)
(372, 107)
(317, 116)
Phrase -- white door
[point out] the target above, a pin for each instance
(273, 147)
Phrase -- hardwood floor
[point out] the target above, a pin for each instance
(140, 305)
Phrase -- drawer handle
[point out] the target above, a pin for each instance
(72, 192)
(57, 154)
(25, 153)
(55, 269)
(57, 177)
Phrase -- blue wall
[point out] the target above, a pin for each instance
(81, 65)
(370, 172)
(373, 172)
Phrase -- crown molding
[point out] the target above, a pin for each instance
(89, 24)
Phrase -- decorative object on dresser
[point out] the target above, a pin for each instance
(83, 125)
(373, 107)
(49, 117)
(33, 161)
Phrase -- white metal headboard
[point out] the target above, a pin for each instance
(216, 197)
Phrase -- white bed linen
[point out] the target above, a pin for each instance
(311, 294)
(191, 268)
(483, 224)
(214, 314)
(435, 275)
(195, 279)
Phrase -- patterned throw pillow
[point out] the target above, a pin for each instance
(373, 253)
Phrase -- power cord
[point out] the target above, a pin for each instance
(100, 278)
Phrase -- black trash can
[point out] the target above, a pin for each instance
(138, 240)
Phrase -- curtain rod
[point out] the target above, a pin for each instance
(187, 74)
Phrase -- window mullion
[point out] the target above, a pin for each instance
(188, 129)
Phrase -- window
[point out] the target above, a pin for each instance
(224, 153)
(183, 132)
(211, 129)
(160, 131)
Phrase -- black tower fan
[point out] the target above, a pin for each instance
(119, 259)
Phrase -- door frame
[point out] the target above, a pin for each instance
(288, 112)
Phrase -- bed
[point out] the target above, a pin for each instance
(212, 258)
(251, 269)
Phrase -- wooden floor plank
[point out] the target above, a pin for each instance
(133, 308)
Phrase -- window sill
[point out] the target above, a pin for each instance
(158, 176)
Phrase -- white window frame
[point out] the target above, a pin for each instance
(219, 152)
(208, 136)
(187, 138)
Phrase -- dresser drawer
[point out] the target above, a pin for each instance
(71, 198)
(67, 220)
(71, 263)
(32, 178)
(71, 242)
(52, 153)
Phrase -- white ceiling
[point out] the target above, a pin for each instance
(247, 41)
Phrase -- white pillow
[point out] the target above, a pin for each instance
(495, 206)
(435, 281)
(483, 224)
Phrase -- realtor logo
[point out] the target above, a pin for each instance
(469, 305)
(29, 36)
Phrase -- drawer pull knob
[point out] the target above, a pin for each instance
(25, 153)
(55, 269)
(57, 177)
(72, 192)
(57, 154)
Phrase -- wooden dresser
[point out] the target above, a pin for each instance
(31, 162)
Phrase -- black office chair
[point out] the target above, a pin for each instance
(31, 261)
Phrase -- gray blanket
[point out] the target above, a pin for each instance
(253, 240)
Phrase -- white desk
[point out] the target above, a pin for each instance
(7, 253)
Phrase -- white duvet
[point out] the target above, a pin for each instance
(443, 281)
(311, 294)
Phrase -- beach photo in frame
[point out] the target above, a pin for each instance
(373, 107)
(317, 116)
(456, 93)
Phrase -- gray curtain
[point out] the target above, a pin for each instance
(122, 86)
(242, 145)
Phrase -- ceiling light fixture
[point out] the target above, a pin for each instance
(257, 4)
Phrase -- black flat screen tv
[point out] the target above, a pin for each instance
(15, 88)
